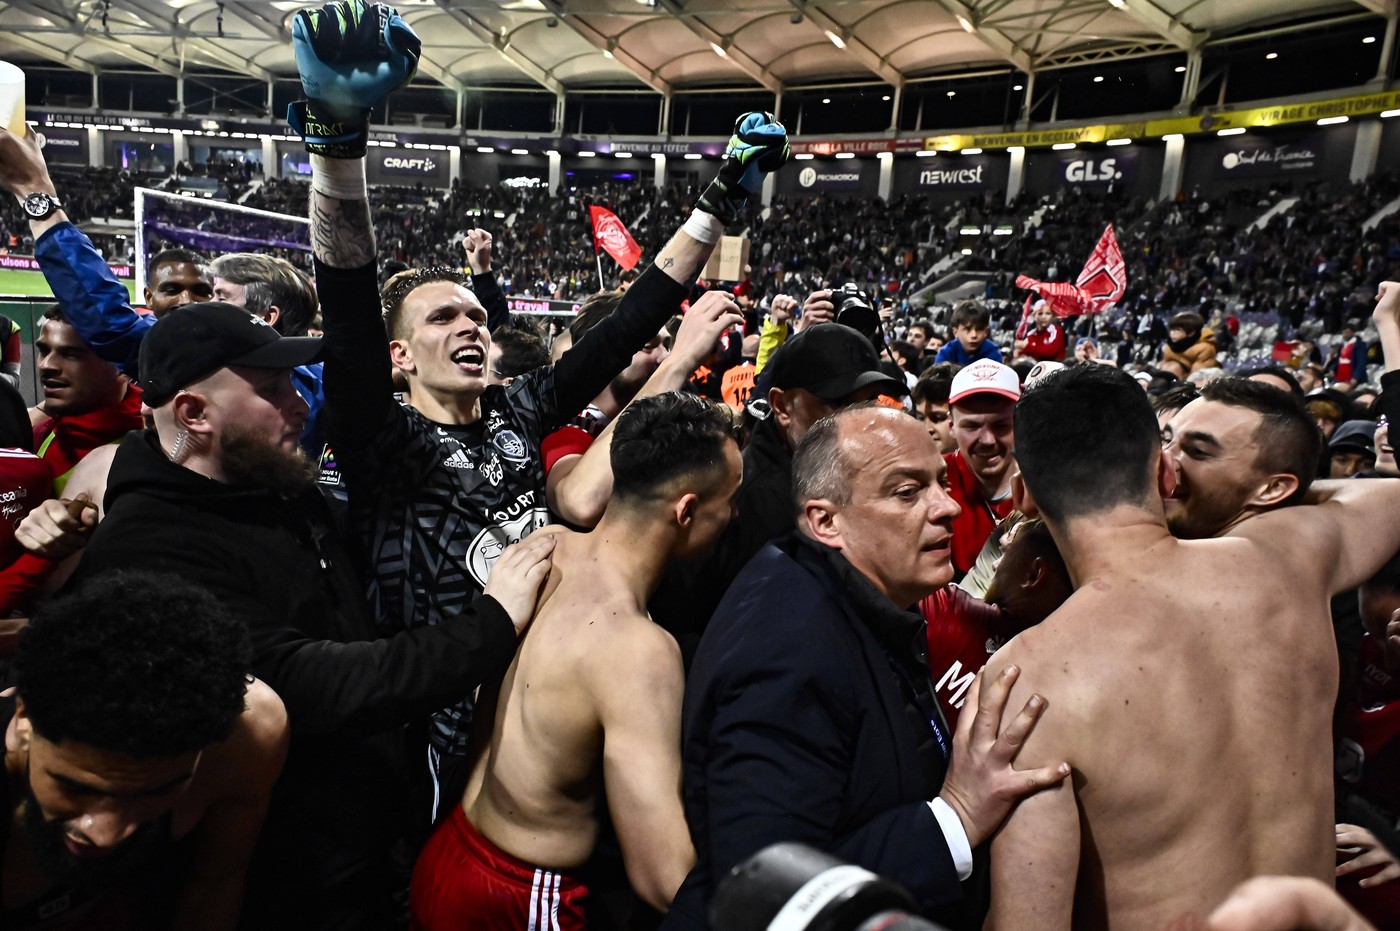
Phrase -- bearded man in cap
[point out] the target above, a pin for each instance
(220, 494)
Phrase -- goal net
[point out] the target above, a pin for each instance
(165, 220)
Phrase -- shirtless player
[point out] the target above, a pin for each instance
(1193, 680)
(591, 706)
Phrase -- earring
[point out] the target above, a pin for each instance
(177, 451)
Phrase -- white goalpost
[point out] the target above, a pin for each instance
(212, 226)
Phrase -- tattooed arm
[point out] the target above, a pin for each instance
(342, 235)
(359, 391)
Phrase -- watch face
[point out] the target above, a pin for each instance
(39, 205)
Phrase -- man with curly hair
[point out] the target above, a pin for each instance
(139, 756)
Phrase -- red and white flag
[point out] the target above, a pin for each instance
(1099, 286)
(612, 237)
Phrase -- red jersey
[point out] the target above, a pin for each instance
(64, 442)
(1368, 733)
(1368, 759)
(979, 516)
(963, 633)
(1046, 345)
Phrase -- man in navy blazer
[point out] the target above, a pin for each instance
(809, 712)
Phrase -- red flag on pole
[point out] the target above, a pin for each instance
(1105, 276)
(612, 237)
(1100, 284)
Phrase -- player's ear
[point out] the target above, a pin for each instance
(272, 315)
(1035, 573)
(1274, 490)
(1021, 498)
(1166, 476)
(683, 509)
(401, 357)
(23, 729)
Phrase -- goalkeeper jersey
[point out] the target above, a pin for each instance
(435, 505)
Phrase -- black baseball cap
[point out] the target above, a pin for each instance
(1355, 434)
(831, 361)
(195, 341)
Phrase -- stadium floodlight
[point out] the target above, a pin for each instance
(804, 157)
(551, 152)
(587, 154)
(719, 50)
(1172, 137)
(1118, 4)
(1062, 146)
(1119, 142)
(1331, 120)
(845, 155)
(1238, 130)
(970, 152)
(970, 231)
(967, 252)
(485, 149)
(622, 155)
(519, 151)
(926, 153)
(695, 156)
(966, 23)
(1387, 114)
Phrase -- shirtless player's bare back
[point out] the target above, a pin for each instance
(591, 706)
(1192, 681)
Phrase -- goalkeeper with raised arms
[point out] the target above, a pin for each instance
(439, 485)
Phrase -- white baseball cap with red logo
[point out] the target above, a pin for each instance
(985, 376)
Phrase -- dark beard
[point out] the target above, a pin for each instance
(247, 458)
(44, 842)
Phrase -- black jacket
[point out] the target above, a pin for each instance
(801, 723)
(342, 800)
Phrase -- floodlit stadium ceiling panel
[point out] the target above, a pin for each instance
(665, 45)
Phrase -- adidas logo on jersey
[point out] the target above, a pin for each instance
(458, 460)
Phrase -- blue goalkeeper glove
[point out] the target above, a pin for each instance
(758, 148)
(350, 55)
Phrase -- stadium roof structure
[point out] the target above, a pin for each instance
(664, 45)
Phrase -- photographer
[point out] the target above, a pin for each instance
(847, 305)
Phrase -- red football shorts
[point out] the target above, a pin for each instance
(462, 880)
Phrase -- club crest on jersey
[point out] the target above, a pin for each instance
(511, 446)
(492, 542)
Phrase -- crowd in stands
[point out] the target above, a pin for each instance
(335, 596)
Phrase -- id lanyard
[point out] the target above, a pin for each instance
(930, 715)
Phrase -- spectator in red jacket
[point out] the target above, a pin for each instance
(1046, 342)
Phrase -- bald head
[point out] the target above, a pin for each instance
(869, 483)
